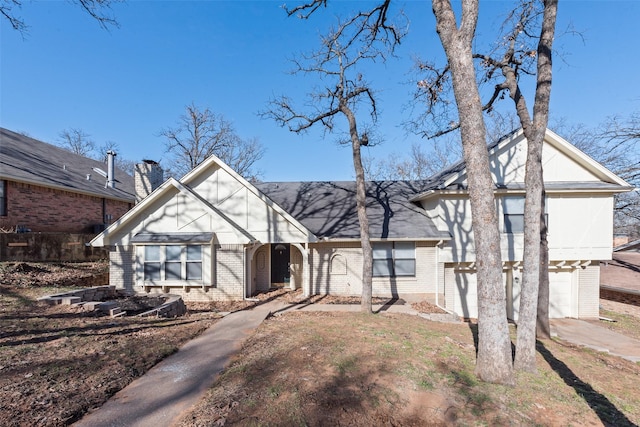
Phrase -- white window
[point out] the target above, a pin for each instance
(391, 259)
(513, 207)
(513, 214)
(172, 262)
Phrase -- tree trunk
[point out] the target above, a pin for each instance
(361, 207)
(525, 359)
(543, 330)
(494, 363)
(526, 336)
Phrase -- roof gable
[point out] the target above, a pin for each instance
(210, 198)
(565, 167)
(27, 160)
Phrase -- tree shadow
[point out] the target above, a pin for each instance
(604, 409)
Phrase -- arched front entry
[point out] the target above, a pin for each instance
(276, 265)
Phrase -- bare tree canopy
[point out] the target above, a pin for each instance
(100, 10)
(418, 164)
(615, 143)
(77, 141)
(200, 133)
(339, 62)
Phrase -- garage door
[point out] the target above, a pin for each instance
(560, 294)
(465, 301)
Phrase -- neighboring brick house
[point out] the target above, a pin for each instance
(213, 235)
(44, 188)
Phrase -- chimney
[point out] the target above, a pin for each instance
(147, 176)
(111, 179)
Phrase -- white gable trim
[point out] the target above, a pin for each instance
(584, 160)
(102, 239)
(212, 210)
(556, 141)
(195, 172)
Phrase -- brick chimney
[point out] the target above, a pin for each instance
(148, 176)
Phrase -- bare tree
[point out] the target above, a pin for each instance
(418, 164)
(201, 133)
(77, 141)
(615, 143)
(97, 9)
(494, 345)
(512, 65)
(337, 62)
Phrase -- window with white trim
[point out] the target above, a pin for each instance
(513, 214)
(394, 259)
(513, 209)
(172, 262)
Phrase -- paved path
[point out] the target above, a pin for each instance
(596, 337)
(161, 396)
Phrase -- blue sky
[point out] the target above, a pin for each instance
(128, 83)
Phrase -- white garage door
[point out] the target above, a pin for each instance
(465, 302)
(560, 294)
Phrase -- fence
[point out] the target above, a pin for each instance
(47, 247)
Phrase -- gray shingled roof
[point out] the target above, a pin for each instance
(328, 209)
(28, 160)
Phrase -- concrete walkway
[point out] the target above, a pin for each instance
(161, 396)
(596, 337)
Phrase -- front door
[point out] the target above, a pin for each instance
(280, 273)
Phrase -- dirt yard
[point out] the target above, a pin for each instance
(56, 363)
(313, 369)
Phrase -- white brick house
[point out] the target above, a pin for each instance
(213, 235)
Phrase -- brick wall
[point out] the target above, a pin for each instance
(588, 292)
(230, 270)
(122, 268)
(42, 209)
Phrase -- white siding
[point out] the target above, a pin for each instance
(327, 277)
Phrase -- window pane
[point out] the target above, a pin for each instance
(382, 250)
(194, 271)
(513, 205)
(151, 271)
(514, 223)
(152, 253)
(405, 267)
(405, 250)
(172, 270)
(382, 267)
(194, 253)
(173, 253)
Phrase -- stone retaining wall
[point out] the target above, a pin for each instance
(626, 296)
(174, 305)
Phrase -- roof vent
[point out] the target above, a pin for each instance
(111, 179)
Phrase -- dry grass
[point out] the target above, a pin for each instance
(320, 369)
